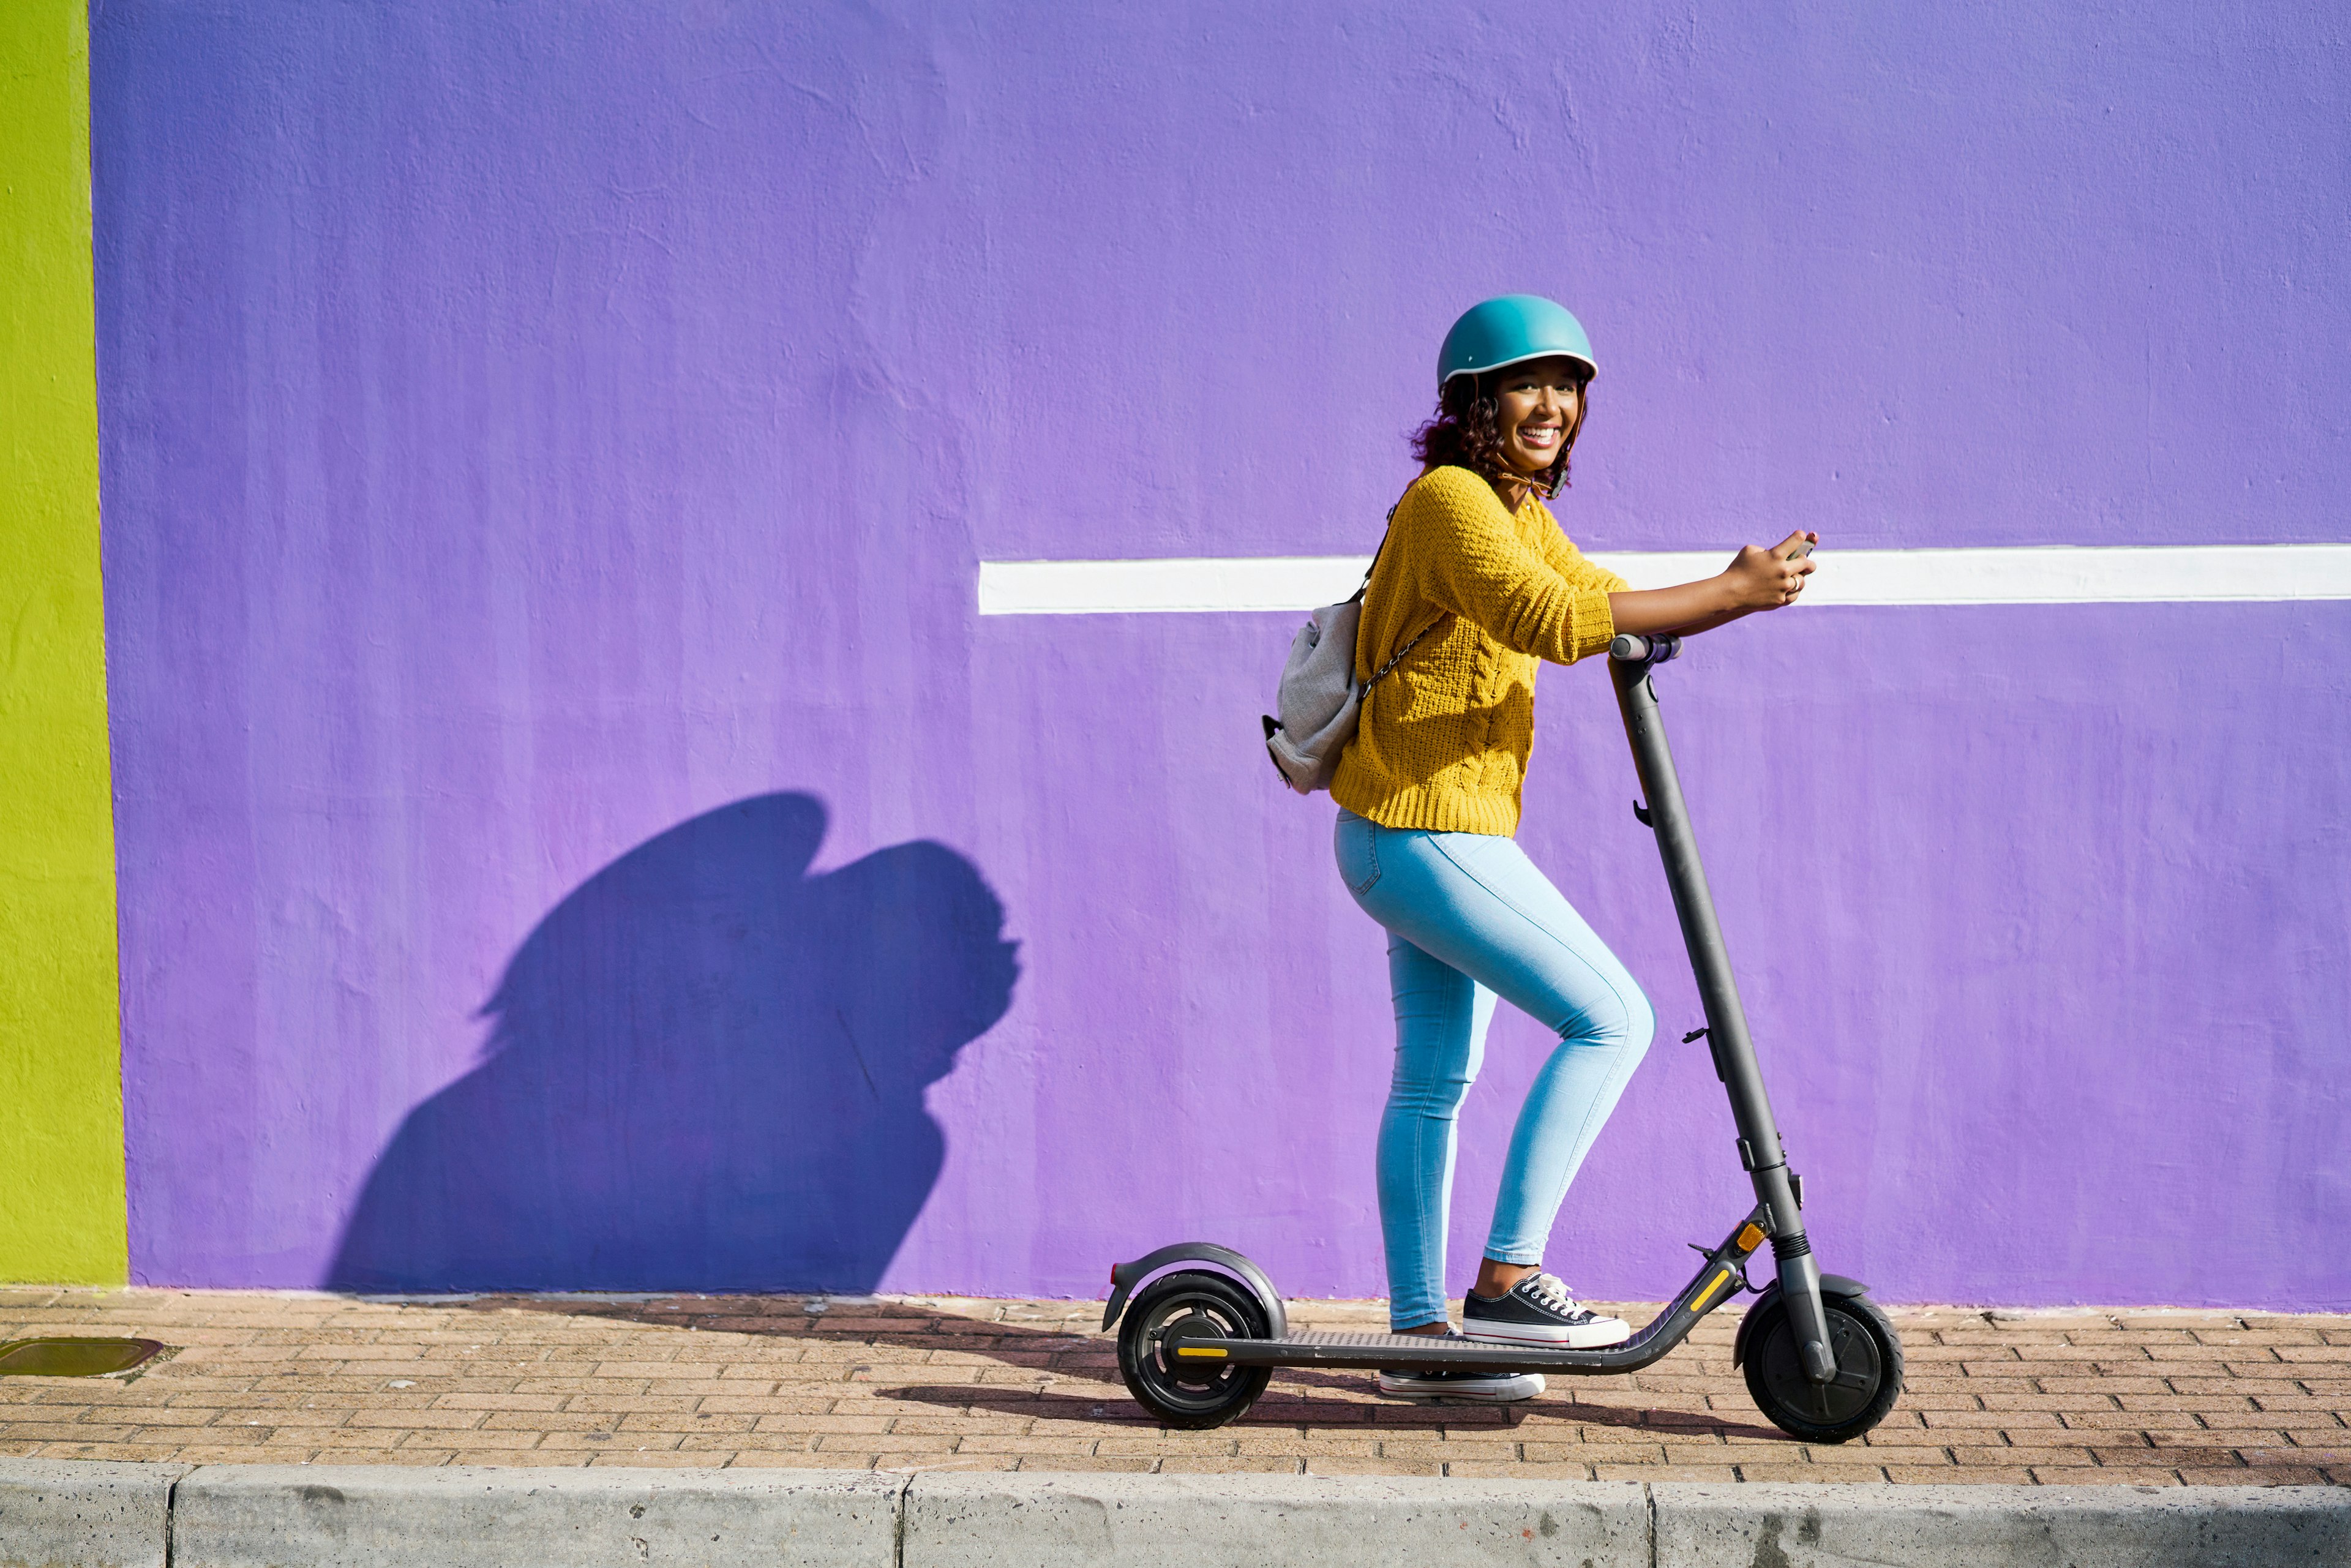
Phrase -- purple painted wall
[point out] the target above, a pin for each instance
(571, 818)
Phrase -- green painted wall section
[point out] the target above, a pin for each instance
(61, 1192)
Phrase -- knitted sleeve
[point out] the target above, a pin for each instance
(1571, 563)
(1467, 557)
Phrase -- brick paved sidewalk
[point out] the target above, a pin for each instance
(919, 1382)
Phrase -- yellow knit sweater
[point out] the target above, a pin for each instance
(1442, 743)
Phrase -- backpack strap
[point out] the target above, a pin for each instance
(1389, 527)
(1382, 673)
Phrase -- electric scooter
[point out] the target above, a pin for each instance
(1206, 1327)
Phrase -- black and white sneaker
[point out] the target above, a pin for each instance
(1538, 1310)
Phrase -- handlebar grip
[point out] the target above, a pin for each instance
(1632, 648)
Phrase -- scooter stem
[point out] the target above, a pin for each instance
(1760, 1153)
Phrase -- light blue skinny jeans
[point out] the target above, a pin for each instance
(1469, 918)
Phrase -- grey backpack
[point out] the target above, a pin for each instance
(1318, 699)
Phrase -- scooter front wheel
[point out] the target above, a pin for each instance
(1181, 1391)
(1868, 1376)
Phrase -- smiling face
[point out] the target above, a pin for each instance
(1540, 403)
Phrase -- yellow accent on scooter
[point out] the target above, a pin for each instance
(1712, 1285)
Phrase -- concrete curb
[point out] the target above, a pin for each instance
(1202, 1521)
(98, 1515)
(343, 1516)
(1762, 1523)
(320, 1516)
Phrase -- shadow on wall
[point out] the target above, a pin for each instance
(707, 1073)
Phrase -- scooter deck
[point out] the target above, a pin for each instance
(1720, 1277)
(1428, 1353)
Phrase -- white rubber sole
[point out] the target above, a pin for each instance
(1590, 1336)
(1486, 1391)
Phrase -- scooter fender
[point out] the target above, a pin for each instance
(1831, 1285)
(1125, 1277)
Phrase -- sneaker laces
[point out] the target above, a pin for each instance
(1551, 1293)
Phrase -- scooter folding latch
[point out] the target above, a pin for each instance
(1642, 812)
(1698, 1033)
(1730, 1260)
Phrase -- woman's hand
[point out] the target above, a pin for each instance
(1757, 579)
(1761, 579)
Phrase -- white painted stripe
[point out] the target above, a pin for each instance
(2036, 574)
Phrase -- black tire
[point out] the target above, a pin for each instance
(1198, 1305)
(1869, 1371)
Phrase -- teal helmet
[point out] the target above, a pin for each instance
(1510, 330)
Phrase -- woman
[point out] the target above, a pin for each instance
(1475, 588)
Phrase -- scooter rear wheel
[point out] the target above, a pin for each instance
(1869, 1371)
(1185, 1393)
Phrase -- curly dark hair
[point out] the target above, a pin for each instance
(1466, 432)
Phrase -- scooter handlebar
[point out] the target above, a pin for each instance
(1632, 648)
